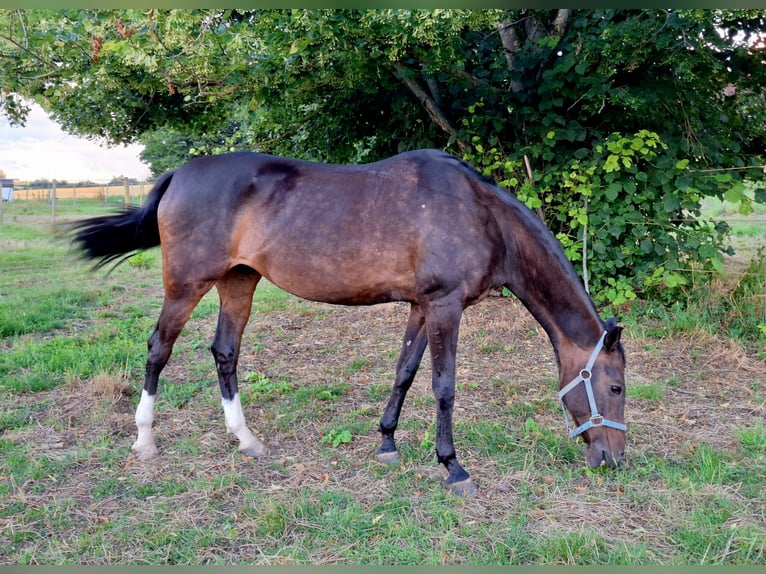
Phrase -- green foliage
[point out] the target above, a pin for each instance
(142, 260)
(337, 437)
(264, 387)
(736, 309)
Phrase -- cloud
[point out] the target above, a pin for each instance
(41, 150)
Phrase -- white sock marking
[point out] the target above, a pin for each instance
(235, 424)
(232, 410)
(144, 419)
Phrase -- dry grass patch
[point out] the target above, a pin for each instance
(319, 368)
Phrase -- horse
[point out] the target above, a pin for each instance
(422, 227)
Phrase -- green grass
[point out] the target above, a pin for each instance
(42, 363)
(731, 305)
(357, 365)
(753, 439)
(34, 297)
(71, 494)
(652, 392)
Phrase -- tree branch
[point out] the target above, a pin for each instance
(438, 117)
(433, 87)
(28, 51)
(467, 77)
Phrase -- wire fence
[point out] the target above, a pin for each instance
(53, 192)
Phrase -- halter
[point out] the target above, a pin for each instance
(596, 420)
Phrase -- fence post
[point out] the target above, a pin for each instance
(126, 192)
(53, 201)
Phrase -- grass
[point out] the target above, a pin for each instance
(314, 381)
(652, 392)
(753, 439)
(732, 303)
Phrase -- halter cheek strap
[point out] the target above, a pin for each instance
(596, 420)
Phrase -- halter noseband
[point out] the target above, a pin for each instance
(596, 420)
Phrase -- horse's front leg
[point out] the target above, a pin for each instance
(443, 324)
(235, 290)
(413, 346)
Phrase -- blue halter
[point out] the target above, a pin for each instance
(596, 420)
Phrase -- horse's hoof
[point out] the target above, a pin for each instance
(392, 457)
(145, 453)
(255, 451)
(463, 487)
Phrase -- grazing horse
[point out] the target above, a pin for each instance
(422, 227)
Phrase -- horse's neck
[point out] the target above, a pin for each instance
(541, 276)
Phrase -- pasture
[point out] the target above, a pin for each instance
(71, 194)
(314, 382)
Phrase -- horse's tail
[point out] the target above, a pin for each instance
(124, 233)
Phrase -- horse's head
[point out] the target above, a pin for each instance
(593, 391)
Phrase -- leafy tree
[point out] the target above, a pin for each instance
(165, 149)
(612, 124)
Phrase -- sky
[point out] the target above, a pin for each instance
(41, 150)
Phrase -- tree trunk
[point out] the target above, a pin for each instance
(534, 31)
(511, 44)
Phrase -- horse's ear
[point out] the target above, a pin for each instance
(613, 334)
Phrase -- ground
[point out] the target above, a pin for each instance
(308, 370)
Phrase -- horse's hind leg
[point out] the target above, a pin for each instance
(413, 346)
(175, 312)
(236, 290)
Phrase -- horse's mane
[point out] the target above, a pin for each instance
(490, 181)
(526, 217)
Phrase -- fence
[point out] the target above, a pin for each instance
(131, 193)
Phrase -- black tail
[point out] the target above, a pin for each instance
(132, 229)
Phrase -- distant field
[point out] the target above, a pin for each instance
(103, 192)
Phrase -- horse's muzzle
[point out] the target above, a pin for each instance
(597, 456)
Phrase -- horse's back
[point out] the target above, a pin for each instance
(383, 231)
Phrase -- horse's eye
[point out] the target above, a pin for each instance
(616, 389)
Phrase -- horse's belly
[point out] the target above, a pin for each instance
(333, 278)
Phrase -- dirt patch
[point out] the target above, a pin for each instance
(506, 375)
(710, 385)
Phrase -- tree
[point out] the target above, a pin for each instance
(612, 124)
(165, 149)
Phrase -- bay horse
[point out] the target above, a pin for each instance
(422, 227)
